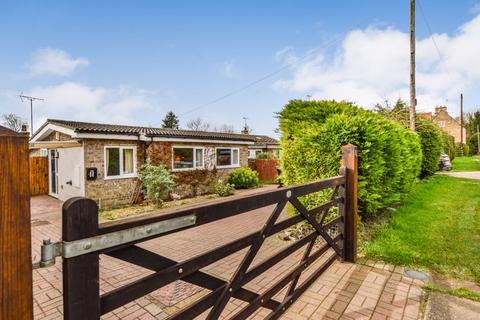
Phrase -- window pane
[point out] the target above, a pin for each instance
(235, 156)
(127, 160)
(224, 157)
(198, 158)
(113, 162)
(182, 158)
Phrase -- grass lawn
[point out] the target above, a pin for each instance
(436, 229)
(466, 164)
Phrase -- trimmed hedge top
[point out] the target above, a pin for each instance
(313, 132)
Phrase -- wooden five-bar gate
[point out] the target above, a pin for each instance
(84, 240)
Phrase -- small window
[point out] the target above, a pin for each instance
(441, 124)
(252, 154)
(119, 162)
(187, 158)
(228, 157)
(43, 152)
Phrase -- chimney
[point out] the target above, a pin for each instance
(25, 128)
(245, 130)
(440, 108)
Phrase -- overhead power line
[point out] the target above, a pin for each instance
(263, 78)
(424, 16)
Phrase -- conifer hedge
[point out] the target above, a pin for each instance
(313, 132)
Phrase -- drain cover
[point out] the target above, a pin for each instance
(416, 275)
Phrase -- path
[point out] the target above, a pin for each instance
(466, 174)
(346, 291)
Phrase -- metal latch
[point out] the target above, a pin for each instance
(70, 249)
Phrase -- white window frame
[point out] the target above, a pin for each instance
(232, 165)
(195, 148)
(441, 123)
(122, 175)
(256, 151)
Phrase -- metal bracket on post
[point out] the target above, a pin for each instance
(70, 249)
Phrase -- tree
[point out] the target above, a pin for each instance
(170, 121)
(12, 121)
(198, 125)
(472, 124)
(225, 128)
(399, 112)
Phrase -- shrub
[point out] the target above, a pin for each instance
(448, 145)
(264, 155)
(224, 189)
(432, 143)
(313, 133)
(243, 178)
(156, 181)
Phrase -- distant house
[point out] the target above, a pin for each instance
(447, 123)
(101, 161)
(264, 144)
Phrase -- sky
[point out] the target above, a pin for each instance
(130, 62)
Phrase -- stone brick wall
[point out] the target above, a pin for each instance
(113, 192)
(57, 136)
(109, 192)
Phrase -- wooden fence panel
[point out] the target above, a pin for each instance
(38, 175)
(15, 248)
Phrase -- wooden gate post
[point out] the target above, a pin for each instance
(81, 288)
(350, 165)
(15, 234)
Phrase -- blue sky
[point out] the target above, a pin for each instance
(132, 61)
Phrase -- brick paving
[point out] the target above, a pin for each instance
(344, 291)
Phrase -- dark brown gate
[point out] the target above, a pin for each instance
(333, 222)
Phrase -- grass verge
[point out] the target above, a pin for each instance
(459, 292)
(466, 164)
(437, 229)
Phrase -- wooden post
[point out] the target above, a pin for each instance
(15, 233)
(81, 289)
(350, 166)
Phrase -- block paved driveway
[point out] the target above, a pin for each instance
(344, 291)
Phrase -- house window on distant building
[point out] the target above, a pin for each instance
(187, 158)
(441, 123)
(43, 152)
(227, 157)
(119, 162)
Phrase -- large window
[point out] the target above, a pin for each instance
(187, 158)
(119, 162)
(228, 157)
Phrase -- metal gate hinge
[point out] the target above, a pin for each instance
(49, 251)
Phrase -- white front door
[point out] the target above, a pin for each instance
(53, 172)
(70, 173)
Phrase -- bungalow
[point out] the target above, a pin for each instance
(264, 144)
(101, 161)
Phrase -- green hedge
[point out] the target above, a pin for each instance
(448, 145)
(432, 144)
(313, 133)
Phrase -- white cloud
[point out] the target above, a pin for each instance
(50, 61)
(373, 64)
(76, 101)
(475, 9)
(228, 69)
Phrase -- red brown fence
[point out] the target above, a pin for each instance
(38, 175)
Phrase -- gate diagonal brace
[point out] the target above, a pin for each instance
(70, 249)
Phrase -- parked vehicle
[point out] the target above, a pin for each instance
(444, 163)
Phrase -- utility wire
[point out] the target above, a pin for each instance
(263, 78)
(429, 29)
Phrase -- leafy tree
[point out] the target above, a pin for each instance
(471, 124)
(170, 121)
(157, 182)
(12, 121)
(198, 125)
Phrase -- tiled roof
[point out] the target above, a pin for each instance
(264, 140)
(87, 127)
